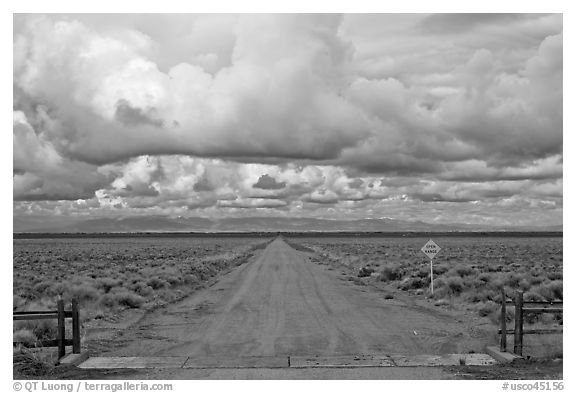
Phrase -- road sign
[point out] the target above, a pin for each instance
(431, 249)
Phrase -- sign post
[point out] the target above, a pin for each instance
(431, 249)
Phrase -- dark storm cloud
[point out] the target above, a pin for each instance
(470, 177)
(40, 194)
(372, 160)
(253, 204)
(479, 171)
(459, 23)
(203, 185)
(267, 182)
(439, 198)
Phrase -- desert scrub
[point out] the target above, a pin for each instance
(83, 293)
(141, 289)
(391, 273)
(156, 283)
(495, 315)
(105, 284)
(557, 289)
(190, 279)
(41, 287)
(42, 329)
(535, 280)
(18, 302)
(461, 271)
(127, 299)
(365, 271)
(550, 291)
(486, 308)
(413, 283)
(480, 296)
(26, 337)
(513, 280)
(108, 301)
(532, 296)
(27, 363)
(455, 285)
(485, 277)
(440, 269)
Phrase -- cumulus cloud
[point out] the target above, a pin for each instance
(41, 173)
(187, 113)
(278, 98)
(289, 94)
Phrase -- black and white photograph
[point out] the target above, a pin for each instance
(287, 196)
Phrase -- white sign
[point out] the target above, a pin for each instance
(431, 249)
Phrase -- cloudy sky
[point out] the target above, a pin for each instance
(449, 118)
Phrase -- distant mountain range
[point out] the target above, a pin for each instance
(54, 224)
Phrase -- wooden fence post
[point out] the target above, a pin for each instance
(518, 322)
(61, 330)
(503, 323)
(75, 327)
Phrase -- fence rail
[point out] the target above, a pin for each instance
(519, 312)
(60, 315)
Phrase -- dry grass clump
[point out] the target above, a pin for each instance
(156, 283)
(128, 299)
(366, 271)
(462, 271)
(487, 308)
(480, 296)
(551, 290)
(31, 363)
(392, 272)
(26, 337)
(413, 283)
(85, 293)
(105, 284)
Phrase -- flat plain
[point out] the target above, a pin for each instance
(307, 296)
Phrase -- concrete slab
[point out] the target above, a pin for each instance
(502, 357)
(269, 362)
(134, 362)
(73, 359)
(241, 362)
(310, 373)
(340, 361)
(471, 359)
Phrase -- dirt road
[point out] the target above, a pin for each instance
(281, 304)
